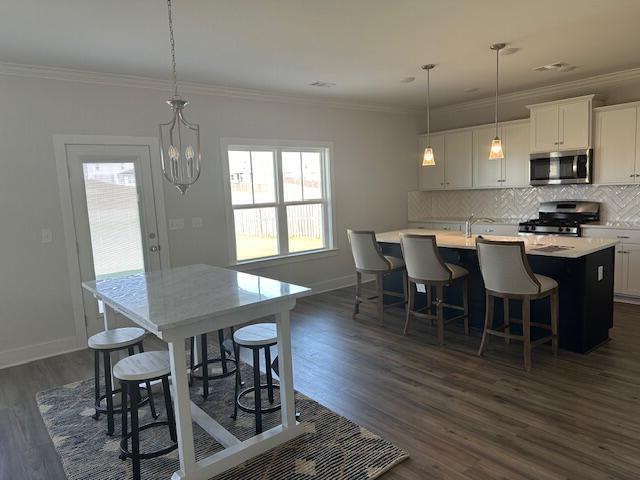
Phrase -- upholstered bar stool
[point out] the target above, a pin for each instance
(131, 371)
(228, 365)
(508, 275)
(426, 267)
(256, 337)
(368, 258)
(103, 344)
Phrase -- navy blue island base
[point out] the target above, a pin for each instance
(586, 301)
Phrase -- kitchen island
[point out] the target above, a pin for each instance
(583, 268)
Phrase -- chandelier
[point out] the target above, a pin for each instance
(179, 140)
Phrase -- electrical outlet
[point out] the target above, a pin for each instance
(196, 222)
(176, 223)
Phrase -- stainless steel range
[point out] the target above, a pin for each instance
(562, 218)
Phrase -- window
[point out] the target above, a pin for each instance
(279, 199)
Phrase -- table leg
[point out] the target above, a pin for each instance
(182, 408)
(285, 370)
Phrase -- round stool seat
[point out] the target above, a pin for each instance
(259, 334)
(143, 366)
(116, 338)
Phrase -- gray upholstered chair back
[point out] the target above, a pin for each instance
(505, 268)
(366, 251)
(422, 259)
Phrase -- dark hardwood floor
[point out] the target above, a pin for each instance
(459, 416)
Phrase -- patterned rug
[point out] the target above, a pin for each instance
(331, 448)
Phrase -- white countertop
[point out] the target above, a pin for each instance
(496, 221)
(168, 298)
(572, 247)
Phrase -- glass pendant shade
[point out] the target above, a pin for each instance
(180, 148)
(496, 152)
(428, 159)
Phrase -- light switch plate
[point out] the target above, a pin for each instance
(46, 235)
(196, 222)
(176, 223)
(600, 272)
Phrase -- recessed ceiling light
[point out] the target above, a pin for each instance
(471, 89)
(407, 79)
(322, 84)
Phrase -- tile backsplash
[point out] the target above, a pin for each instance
(620, 203)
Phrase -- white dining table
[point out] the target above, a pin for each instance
(179, 303)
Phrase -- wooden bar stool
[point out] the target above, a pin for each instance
(368, 258)
(256, 337)
(426, 267)
(228, 365)
(131, 371)
(103, 344)
(508, 275)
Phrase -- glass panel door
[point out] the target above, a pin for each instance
(115, 217)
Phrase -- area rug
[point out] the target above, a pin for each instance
(332, 447)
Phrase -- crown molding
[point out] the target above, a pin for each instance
(548, 92)
(545, 93)
(133, 81)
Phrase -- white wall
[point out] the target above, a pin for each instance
(374, 166)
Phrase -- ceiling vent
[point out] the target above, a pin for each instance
(321, 84)
(557, 67)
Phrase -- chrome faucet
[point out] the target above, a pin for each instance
(471, 220)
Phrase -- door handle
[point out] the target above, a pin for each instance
(154, 248)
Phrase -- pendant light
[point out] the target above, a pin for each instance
(179, 139)
(496, 152)
(428, 159)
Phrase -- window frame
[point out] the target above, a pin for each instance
(277, 147)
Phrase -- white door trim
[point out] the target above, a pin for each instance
(60, 143)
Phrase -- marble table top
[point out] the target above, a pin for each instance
(173, 297)
(547, 245)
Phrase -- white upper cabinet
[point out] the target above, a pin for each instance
(453, 155)
(515, 165)
(561, 125)
(487, 173)
(511, 171)
(574, 125)
(616, 139)
(458, 154)
(432, 177)
(544, 129)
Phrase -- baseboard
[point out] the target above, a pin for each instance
(626, 299)
(338, 282)
(29, 353)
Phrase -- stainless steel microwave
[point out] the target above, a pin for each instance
(557, 168)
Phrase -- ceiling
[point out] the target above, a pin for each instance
(365, 47)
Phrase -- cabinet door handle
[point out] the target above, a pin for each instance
(555, 143)
(622, 236)
(561, 143)
(632, 175)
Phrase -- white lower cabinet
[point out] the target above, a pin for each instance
(627, 260)
(630, 280)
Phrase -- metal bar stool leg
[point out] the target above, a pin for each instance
(169, 406)
(267, 360)
(256, 389)
(134, 394)
(109, 391)
(192, 359)
(152, 404)
(205, 365)
(124, 395)
(223, 353)
(96, 364)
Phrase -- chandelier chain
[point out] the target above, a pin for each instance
(173, 51)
